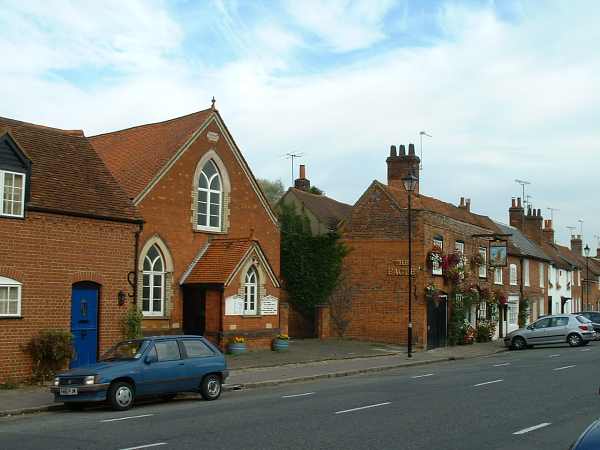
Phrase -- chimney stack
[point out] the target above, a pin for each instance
(516, 214)
(577, 244)
(400, 165)
(465, 203)
(533, 225)
(598, 253)
(302, 182)
(548, 231)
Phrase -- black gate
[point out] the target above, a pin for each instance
(437, 323)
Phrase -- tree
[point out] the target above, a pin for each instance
(310, 265)
(315, 190)
(273, 190)
(340, 303)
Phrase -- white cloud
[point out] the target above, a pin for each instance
(343, 25)
(503, 100)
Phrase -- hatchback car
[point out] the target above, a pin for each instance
(589, 439)
(555, 329)
(594, 316)
(155, 366)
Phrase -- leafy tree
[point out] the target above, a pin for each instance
(315, 190)
(310, 265)
(273, 190)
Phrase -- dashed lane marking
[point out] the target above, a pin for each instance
(424, 375)
(487, 382)
(564, 367)
(362, 407)
(117, 419)
(533, 428)
(298, 395)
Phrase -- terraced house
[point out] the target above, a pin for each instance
(67, 244)
(208, 256)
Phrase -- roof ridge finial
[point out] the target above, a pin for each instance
(212, 106)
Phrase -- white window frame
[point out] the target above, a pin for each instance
(438, 270)
(498, 275)
(208, 192)
(526, 272)
(151, 312)
(512, 275)
(250, 291)
(513, 312)
(542, 277)
(483, 267)
(2, 175)
(10, 284)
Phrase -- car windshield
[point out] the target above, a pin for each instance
(124, 351)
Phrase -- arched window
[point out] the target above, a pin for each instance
(251, 291)
(153, 286)
(210, 197)
(10, 297)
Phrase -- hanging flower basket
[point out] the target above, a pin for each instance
(477, 260)
(434, 258)
(501, 298)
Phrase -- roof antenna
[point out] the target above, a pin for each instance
(212, 106)
(421, 134)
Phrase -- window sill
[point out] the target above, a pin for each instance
(6, 216)
(251, 316)
(145, 317)
(11, 317)
(499, 283)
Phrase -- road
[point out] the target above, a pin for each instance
(541, 398)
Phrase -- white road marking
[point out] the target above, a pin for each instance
(126, 418)
(585, 349)
(565, 367)
(487, 382)
(145, 446)
(533, 428)
(501, 365)
(362, 407)
(554, 356)
(298, 395)
(423, 376)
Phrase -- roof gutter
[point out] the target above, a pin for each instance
(84, 215)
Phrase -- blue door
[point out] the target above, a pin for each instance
(84, 325)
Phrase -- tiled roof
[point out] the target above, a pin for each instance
(67, 174)
(135, 155)
(218, 261)
(522, 245)
(423, 202)
(326, 209)
(559, 255)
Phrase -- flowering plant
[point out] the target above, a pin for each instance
(237, 340)
(469, 335)
(434, 257)
(432, 293)
(477, 260)
(283, 337)
(501, 297)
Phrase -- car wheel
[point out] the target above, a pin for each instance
(210, 388)
(518, 343)
(574, 340)
(121, 396)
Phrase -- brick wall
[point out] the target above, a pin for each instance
(47, 254)
(168, 211)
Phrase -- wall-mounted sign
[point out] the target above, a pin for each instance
(268, 305)
(498, 253)
(234, 305)
(399, 267)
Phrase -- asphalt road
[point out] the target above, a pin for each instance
(533, 399)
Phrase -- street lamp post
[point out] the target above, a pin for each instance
(410, 183)
(587, 275)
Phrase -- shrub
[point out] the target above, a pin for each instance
(50, 351)
(237, 340)
(132, 323)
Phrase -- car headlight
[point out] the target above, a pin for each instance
(90, 379)
(56, 381)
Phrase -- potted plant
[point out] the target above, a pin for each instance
(281, 343)
(237, 345)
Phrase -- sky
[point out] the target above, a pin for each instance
(507, 89)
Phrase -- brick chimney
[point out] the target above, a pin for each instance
(516, 214)
(465, 203)
(302, 182)
(577, 244)
(548, 231)
(533, 225)
(400, 165)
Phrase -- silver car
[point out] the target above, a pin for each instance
(573, 329)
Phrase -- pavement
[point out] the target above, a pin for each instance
(533, 399)
(307, 359)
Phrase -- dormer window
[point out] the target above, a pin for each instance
(210, 197)
(12, 193)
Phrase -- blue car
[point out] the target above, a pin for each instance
(590, 439)
(159, 366)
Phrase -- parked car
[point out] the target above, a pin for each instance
(554, 329)
(155, 366)
(589, 439)
(594, 316)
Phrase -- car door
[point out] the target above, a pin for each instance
(200, 360)
(557, 332)
(165, 373)
(537, 335)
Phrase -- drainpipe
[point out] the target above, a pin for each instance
(521, 288)
(136, 259)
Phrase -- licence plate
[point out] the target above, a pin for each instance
(68, 391)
